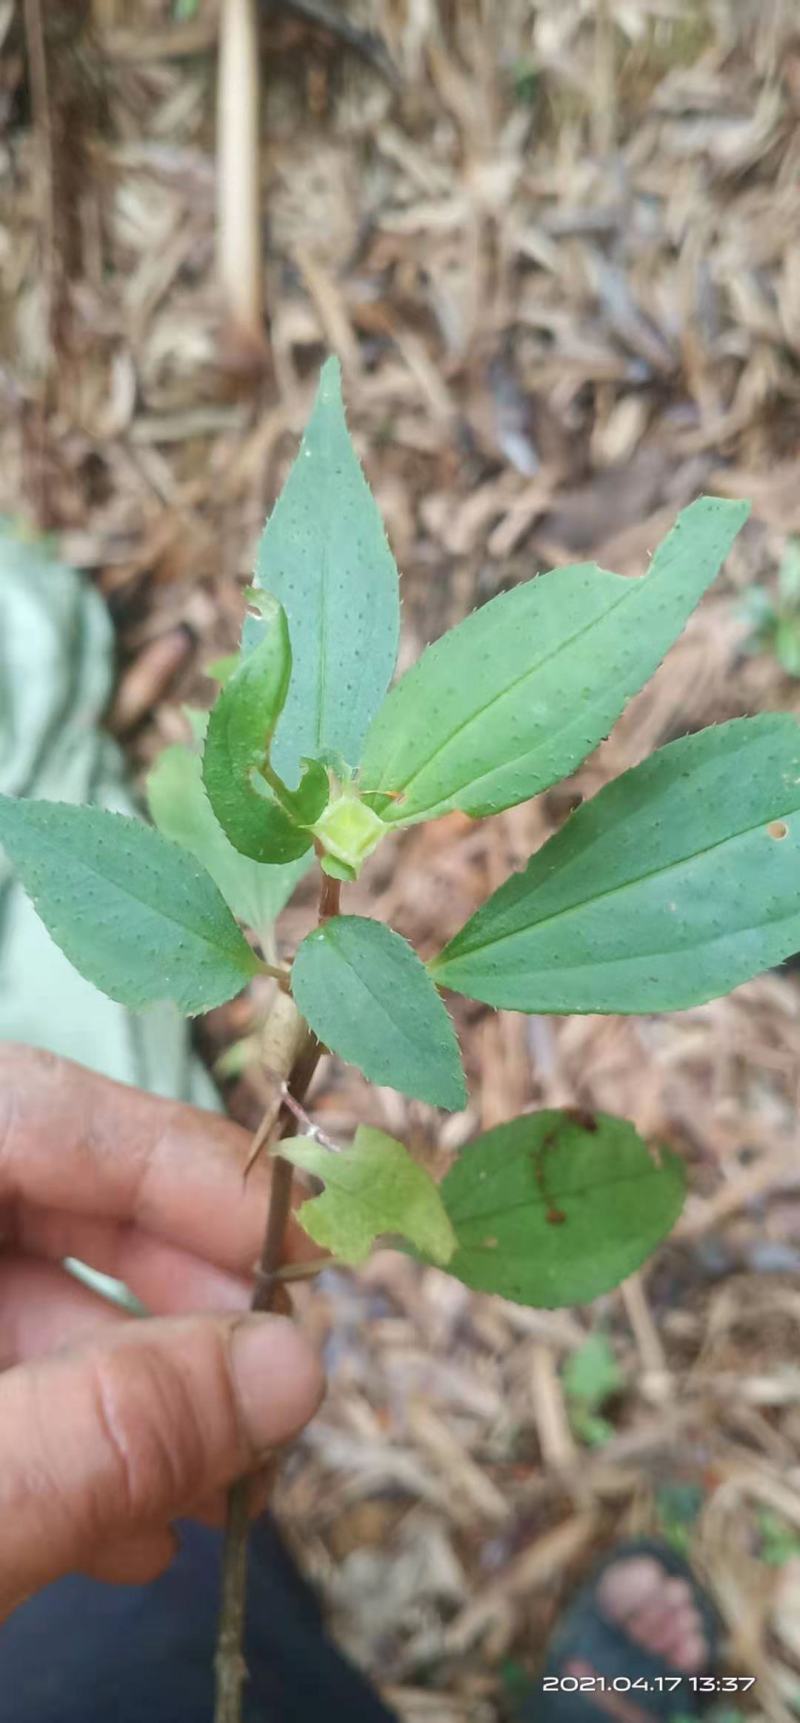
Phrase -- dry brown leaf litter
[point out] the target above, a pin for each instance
(560, 261)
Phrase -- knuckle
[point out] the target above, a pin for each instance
(28, 1076)
(153, 1433)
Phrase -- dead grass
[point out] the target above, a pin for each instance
(556, 247)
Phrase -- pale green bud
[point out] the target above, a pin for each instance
(349, 831)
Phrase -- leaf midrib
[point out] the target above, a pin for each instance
(475, 717)
(614, 890)
(445, 1046)
(331, 941)
(525, 757)
(322, 682)
(536, 1201)
(125, 891)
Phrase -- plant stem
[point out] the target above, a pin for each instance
(329, 897)
(230, 1666)
(276, 972)
(229, 1663)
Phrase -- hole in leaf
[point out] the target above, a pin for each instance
(582, 1117)
(778, 829)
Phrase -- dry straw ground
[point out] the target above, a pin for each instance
(556, 244)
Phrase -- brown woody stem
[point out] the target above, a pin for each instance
(329, 897)
(231, 1670)
(230, 1665)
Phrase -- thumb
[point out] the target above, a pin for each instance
(121, 1436)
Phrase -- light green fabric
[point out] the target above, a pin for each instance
(56, 671)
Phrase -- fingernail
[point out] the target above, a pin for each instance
(278, 1378)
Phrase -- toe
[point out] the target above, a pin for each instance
(646, 1625)
(678, 1618)
(685, 1624)
(656, 1610)
(676, 1593)
(626, 1585)
(692, 1655)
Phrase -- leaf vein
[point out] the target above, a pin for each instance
(612, 891)
(510, 688)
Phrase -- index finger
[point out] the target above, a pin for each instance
(77, 1142)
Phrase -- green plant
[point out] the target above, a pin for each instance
(675, 883)
(678, 1505)
(591, 1376)
(775, 623)
(779, 1542)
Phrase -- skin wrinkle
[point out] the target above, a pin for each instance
(153, 1455)
(9, 1123)
(161, 1274)
(51, 1089)
(118, 1447)
(143, 1153)
(174, 1465)
(102, 1178)
(141, 1210)
(110, 1427)
(38, 1483)
(65, 1516)
(43, 1308)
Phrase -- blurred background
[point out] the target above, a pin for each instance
(556, 245)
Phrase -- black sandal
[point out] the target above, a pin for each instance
(620, 1667)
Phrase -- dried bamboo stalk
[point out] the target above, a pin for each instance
(239, 244)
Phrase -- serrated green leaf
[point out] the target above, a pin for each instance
(553, 1209)
(517, 695)
(373, 1189)
(134, 913)
(182, 812)
(367, 997)
(325, 555)
(260, 817)
(676, 883)
(310, 798)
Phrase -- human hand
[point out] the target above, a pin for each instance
(110, 1426)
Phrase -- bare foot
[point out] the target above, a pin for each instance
(656, 1611)
(659, 1614)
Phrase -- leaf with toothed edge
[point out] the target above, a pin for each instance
(260, 817)
(180, 808)
(324, 554)
(513, 699)
(373, 1189)
(675, 883)
(133, 912)
(367, 996)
